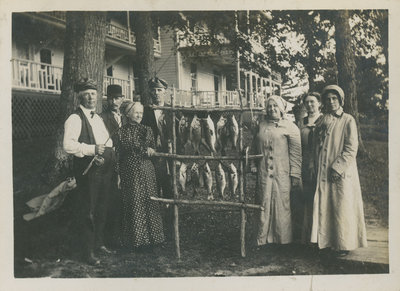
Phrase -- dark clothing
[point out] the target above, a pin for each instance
(141, 217)
(162, 138)
(111, 124)
(93, 190)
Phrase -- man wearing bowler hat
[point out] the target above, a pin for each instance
(113, 120)
(161, 124)
(87, 139)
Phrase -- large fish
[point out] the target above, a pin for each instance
(233, 129)
(220, 180)
(183, 134)
(208, 181)
(196, 178)
(221, 134)
(195, 134)
(233, 179)
(209, 134)
(182, 177)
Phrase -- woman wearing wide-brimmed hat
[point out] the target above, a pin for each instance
(338, 214)
(278, 139)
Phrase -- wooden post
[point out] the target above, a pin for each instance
(241, 192)
(175, 189)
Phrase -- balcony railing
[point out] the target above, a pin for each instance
(40, 77)
(36, 76)
(186, 98)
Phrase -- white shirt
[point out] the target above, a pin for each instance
(117, 117)
(72, 131)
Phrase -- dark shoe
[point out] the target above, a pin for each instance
(341, 254)
(107, 251)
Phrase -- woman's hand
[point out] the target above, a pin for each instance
(334, 176)
(150, 152)
(253, 168)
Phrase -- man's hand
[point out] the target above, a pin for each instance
(99, 149)
(150, 152)
(253, 169)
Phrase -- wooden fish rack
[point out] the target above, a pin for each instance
(241, 173)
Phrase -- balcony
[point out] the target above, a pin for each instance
(40, 77)
(114, 32)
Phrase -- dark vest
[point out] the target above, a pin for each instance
(87, 137)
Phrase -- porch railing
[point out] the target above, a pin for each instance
(36, 76)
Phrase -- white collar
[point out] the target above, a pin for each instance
(87, 111)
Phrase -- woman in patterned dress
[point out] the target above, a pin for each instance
(278, 139)
(141, 217)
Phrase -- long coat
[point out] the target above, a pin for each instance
(279, 142)
(338, 215)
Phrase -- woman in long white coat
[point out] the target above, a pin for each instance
(278, 139)
(338, 214)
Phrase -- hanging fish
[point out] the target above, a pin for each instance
(182, 134)
(208, 181)
(209, 134)
(182, 177)
(195, 134)
(233, 129)
(221, 134)
(220, 180)
(233, 178)
(196, 178)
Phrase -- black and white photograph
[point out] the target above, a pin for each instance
(218, 144)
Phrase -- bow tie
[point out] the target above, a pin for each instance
(92, 114)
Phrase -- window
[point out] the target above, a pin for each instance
(110, 70)
(45, 56)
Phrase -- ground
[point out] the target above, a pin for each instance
(209, 237)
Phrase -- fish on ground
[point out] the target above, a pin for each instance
(220, 180)
(208, 181)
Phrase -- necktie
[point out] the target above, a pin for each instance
(91, 114)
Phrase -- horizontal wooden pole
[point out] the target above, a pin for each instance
(205, 202)
(200, 157)
(210, 109)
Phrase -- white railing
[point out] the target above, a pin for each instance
(187, 98)
(36, 76)
(127, 86)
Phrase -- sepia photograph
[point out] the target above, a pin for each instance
(199, 143)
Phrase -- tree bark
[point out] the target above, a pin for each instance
(84, 57)
(346, 67)
(142, 26)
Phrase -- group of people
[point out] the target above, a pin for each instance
(309, 174)
(115, 170)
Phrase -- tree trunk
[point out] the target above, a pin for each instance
(346, 67)
(84, 57)
(145, 52)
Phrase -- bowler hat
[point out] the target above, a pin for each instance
(157, 83)
(114, 91)
(85, 84)
(336, 89)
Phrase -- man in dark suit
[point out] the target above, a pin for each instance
(113, 120)
(161, 123)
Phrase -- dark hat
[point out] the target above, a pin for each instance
(114, 91)
(157, 83)
(336, 89)
(85, 84)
